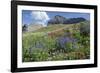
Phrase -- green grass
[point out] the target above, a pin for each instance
(39, 46)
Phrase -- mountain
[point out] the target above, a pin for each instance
(62, 20)
(74, 20)
(57, 20)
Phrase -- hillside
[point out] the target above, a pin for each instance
(57, 42)
(34, 27)
(55, 27)
(57, 21)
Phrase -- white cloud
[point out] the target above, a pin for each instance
(40, 17)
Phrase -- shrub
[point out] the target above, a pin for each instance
(85, 28)
(25, 28)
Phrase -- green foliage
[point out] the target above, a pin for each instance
(39, 46)
(85, 28)
(39, 56)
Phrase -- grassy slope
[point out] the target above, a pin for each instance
(53, 27)
(38, 34)
(29, 39)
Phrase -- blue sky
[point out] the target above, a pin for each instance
(28, 18)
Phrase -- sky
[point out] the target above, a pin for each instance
(42, 17)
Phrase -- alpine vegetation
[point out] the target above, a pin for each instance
(51, 37)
